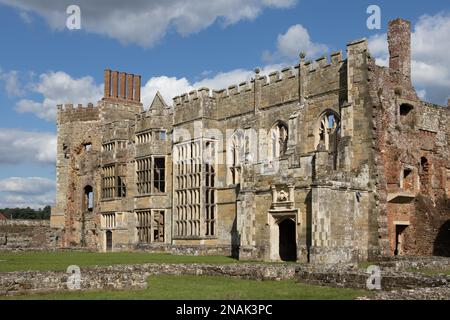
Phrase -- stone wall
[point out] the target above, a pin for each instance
(351, 277)
(132, 276)
(119, 277)
(27, 234)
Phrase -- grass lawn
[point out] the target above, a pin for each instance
(431, 272)
(23, 261)
(212, 288)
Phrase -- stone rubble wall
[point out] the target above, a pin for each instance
(119, 277)
(132, 276)
(351, 277)
(435, 293)
(26, 234)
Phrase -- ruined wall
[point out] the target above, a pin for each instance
(78, 150)
(360, 147)
(412, 155)
(32, 234)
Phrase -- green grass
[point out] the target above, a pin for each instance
(365, 264)
(430, 271)
(212, 288)
(23, 261)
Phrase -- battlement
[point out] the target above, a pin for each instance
(266, 81)
(69, 113)
(122, 87)
(192, 96)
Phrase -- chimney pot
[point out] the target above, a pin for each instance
(115, 84)
(107, 83)
(123, 79)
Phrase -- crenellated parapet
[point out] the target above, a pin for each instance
(68, 113)
(263, 91)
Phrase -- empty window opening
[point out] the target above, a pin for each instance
(151, 175)
(113, 181)
(405, 109)
(328, 132)
(159, 181)
(88, 203)
(236, 153)
(88, 147)
(408, 179)
(399, 240)
(150, 226)
(279, 139)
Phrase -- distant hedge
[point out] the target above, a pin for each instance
(27, 213)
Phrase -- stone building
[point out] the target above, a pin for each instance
(329, 161)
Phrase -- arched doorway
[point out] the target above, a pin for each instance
(287, 243)
(109, 240)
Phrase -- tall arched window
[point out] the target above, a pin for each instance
(278, 140)
(328, 131)
(236, 150)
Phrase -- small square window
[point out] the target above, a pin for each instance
(88, 147)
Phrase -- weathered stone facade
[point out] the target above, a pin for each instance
(325, 162)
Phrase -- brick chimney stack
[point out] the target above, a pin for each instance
(107, 93)
(122, 87)
(137, 88)
(399, 41)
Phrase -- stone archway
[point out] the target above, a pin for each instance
(287, 240)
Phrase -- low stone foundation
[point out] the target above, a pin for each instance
(352, 277)
(133, 276)
(416, 263)
(191, 250)
(395, 276)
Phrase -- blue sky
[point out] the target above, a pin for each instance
(175, 45)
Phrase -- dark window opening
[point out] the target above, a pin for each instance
(159, 174)
(405, 109)
(408, 179)
(121, 187)
(88, 203)
(399, 239)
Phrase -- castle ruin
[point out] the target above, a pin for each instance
(329, 161)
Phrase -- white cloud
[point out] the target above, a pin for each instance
(295, 40)
(35, 201)
(59, 88)
(12, 83)
(27, 186)
(18, 146)
(378, 47)
(170, 87)
(430, 65)
(145, 22)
